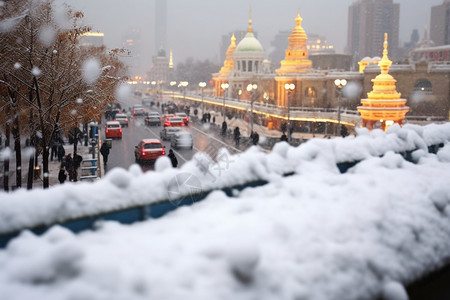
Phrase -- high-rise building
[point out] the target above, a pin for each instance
(368, 21)
(132, 43)
(92, 39)
(440, 24)
(160, 25)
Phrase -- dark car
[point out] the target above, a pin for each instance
(138, 110)
(153, 119)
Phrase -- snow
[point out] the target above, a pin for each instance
(316, 234)
(47, 35)
(17, 65)
(36, 71)
(123, 92)
(91, 70)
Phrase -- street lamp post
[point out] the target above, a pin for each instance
(184, 84)
(340, 83)
(224, 87)
(289, 89)
(202, 86)
(251, 88)
(172, 84)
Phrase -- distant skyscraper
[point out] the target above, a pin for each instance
(368, 20)
(92, 39)
(160, 25)
(132, 42)
(440, 24)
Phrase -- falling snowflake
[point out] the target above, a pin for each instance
(36, 71)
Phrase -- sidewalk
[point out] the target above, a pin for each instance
(54, 166)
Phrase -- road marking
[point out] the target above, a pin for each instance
(217, 140)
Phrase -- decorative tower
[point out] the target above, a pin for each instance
(296, 60)
(228, 65)
(383, 103)
(295, 63)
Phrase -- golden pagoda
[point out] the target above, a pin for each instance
(228, 66)
(296, 60)
(383, 103)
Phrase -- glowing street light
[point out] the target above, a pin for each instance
(289, 87)
(224, 87)
(339, 83)
(251, 88)
(202, 86)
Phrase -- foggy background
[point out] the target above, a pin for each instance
(195, 27)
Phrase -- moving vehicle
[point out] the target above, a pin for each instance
(182, 139)
(173, 122)
(147, 101)
(167, 132)
(113, 130)
(153, 118)
(184, 117)
(149, 150)
(122, 119)
(138, 110)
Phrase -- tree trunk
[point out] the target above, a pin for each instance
(17, 148)
(45, 172)
(6, 163)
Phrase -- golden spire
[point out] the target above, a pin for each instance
(298, 20)
(250, 28)
(385, 62)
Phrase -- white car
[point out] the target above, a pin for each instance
(182, 139)
(122, 119)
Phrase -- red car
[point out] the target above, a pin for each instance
(173, 122)
(149, 150)
(184, 117)
(113, 130)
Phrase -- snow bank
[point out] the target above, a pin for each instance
(315, 235)
(125, 188)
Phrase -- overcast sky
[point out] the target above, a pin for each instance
(195, 27)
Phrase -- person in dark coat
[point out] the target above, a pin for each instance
(284, 138)
(61, 152)
(237, 135)
(224, 128)
(62, 175)
(104, 150)
(255, 138)
(70, 167)
(173, 158)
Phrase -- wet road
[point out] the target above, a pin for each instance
(122, 151)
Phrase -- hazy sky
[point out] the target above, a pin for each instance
(195, 27)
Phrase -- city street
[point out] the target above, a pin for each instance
(205, 140)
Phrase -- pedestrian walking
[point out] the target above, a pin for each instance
(255, 138)
(224, 128)
(70, 167)
(173, 158)
(237, 135)
(62, 175)
(104, 150)
(61, 152)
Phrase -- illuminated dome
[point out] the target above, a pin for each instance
(249, 54)
(249, 43)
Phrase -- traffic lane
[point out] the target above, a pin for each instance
(183, 155)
